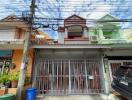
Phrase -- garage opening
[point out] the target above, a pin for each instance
(68, 76)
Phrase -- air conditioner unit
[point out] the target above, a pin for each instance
(94, 38)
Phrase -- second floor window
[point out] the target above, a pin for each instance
(75, 32)
(110, 31)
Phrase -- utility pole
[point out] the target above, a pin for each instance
(25, 52)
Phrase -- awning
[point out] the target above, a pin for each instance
(5, 53)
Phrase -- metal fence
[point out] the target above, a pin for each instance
(63, 77)
(115, 64)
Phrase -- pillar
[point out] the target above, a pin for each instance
(120, 33)
(101, 36)
(66, 33)
(103, 73)
(107, 76)
(85, 33)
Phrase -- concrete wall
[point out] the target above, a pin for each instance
(17, 58)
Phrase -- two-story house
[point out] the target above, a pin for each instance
(84, 60)
(81, 63)
(74, 66)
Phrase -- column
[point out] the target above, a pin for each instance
(66, 33)
(103, 75)
(120, 35)
(85, 33)
(61, 37)
(101, 36)
(107, 76)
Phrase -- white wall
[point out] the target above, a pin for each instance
(61, 37)
(7, 34)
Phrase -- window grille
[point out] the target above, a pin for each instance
(4, 65)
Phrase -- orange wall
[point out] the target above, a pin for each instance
(17, 59)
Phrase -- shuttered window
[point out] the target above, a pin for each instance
(7, 34)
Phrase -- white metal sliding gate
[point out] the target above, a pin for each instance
(62, 77)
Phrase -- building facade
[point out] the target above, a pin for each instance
(12, 36)
(84, 60)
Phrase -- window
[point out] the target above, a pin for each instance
(5, 60)
(5, 65)
(75, 32)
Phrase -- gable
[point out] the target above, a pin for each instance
(11, 18)
(108, 17)
(75, 17)
(74, 20)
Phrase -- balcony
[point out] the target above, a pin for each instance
(76, 41)
(112, 41)
(11, 43)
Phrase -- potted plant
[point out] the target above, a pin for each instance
(3, 91)
(3, 80)
(7, 82)
(14, 76)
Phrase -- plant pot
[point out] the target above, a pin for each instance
(8, 84)
(12, 91)
(14, 83)
(3, 91)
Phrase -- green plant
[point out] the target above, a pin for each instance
(1, 81)
(4, 78)
(14, 76)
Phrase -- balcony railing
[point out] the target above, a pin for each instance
(11, 41)
(112, 41)
(76, 41)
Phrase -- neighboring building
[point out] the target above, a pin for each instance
(12, 37)
(128, 34)
(109, 32)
